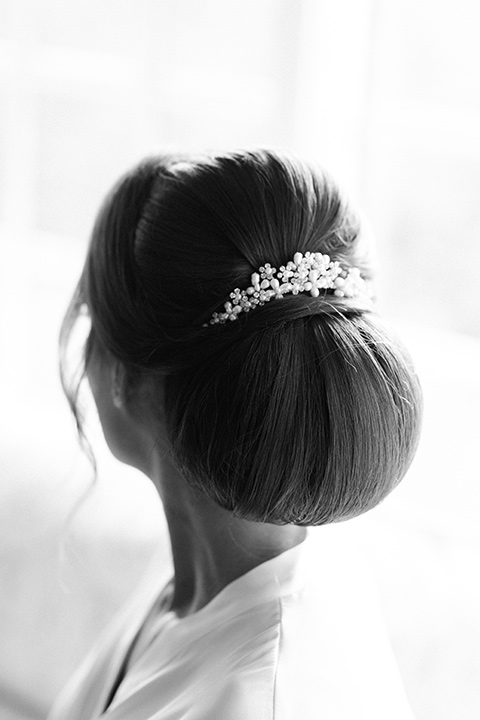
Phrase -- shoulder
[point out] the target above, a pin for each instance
(259, 665)
(335, 659)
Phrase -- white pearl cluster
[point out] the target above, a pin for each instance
(311, 273)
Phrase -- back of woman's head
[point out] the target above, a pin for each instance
(302, 411)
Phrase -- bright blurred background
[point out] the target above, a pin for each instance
(386, 94)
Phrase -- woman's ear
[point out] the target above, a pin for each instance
(137, 395)
(119, 385)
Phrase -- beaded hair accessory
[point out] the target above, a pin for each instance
(311, 273)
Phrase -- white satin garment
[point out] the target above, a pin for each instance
(299, 636)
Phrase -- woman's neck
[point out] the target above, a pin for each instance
(211, 547)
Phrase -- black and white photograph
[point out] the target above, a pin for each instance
(239, 359)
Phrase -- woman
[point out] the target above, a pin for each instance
(235, 358)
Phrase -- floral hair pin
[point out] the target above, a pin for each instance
(312, 272)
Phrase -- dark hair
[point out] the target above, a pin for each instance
(302, 411)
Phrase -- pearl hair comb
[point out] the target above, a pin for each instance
(312, 272)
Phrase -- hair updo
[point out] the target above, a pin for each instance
(303, 411)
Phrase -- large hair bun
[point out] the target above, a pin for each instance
(305, 410)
